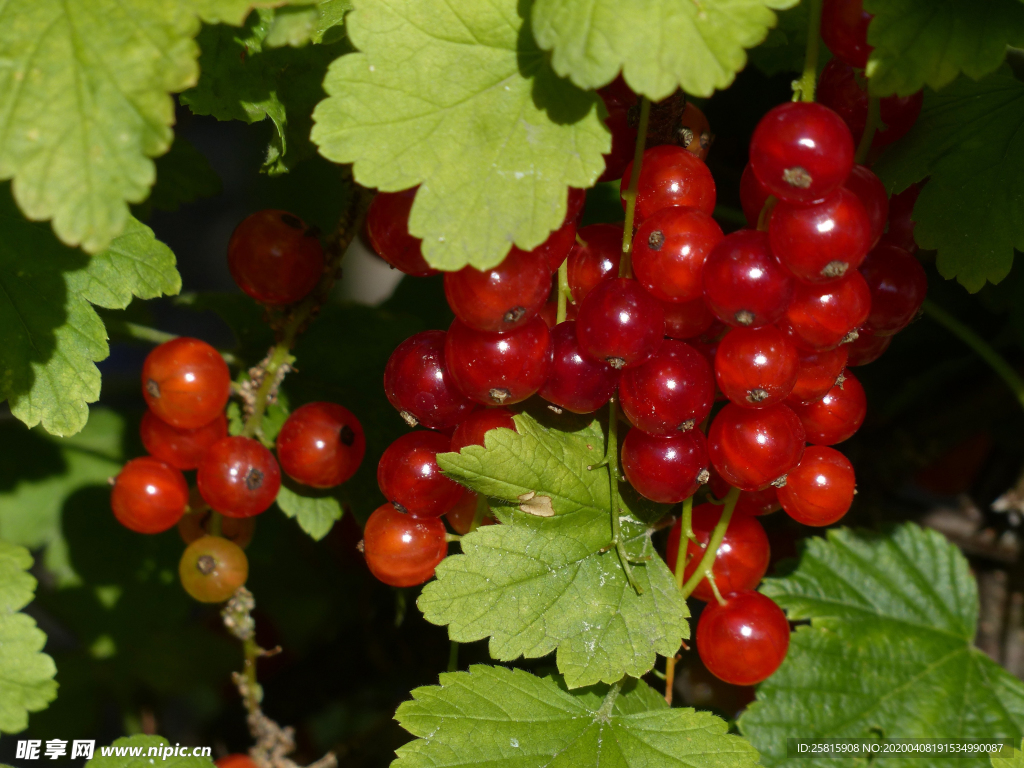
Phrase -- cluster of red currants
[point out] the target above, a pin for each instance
(186, 384)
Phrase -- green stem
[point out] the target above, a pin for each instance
(708, 560)
(152, 336)
(685, 536)
(766, 213)
(482, 507)
(450, 537)
(280, 355)
(981, 347)
(453, 657)
(254, 691)
(630, 194)
(215, 523)
(874, 122)
(563, 291)
(611, 458)
(803, 89)
(730, 215)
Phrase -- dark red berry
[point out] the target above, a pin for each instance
(756, 367)
(694, 131)
(743, 283)
(275, 258)
(596, 261)
(238, 477)
(501, 298)
(837, 415)
(844, 28)
(686, 319)
(410, 479)
(387, 227)
(821, 242)
(185, 382)
(819, 490)
(181, 448)
(669, 175)
(753, 503)
(461, 516)
(901, 223)
(669, 251)
(402, 550)
(149, 495)
(623, 144)
(321, 444)
(744, 641)
(752, 448)
(821, 316)
(471, 431)
(802, 152)
(556, 248)
(620, 323)
(753, 196)
(844, 90)
(817, 373)
(871, 192)
(418, 384)
(671, 392)
(665, 468)
(866, 348)
(549, 312)
(618, 94)
(498, 368)
(898, 285)
(576, 383)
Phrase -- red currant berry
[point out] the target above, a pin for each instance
(556, 248)
(753, 196)
(743, 283)
(837, 415)
(596, 261)
(498, 368)
(844, 28)
(817, 374)
(185, 382)
(238, 477)
(549, 313)
(753, 503)
(418, 384)
(617, 94)
(819, 490)
(471, 431)
(802, 152)
(387, 227)
(235, 761)
(576, 383)
(844, 89)
(744, 641)
(871, 192)
(212, 569)
(687, 319)
(620, 323)
(741, 560)
(623, 143)
(866, 348)
(665, 468)
(410, 479)
(671, 392)
(461, 516)
(149, 496)
(501, 298)
(181, 448)
(669, 175)
(898, 285)
(901, 223)
(275, 258)
(321, 445)
(821, 316)
(756, 367)
(751, 448)
(669, 251)
(402, 550)
(694, 131)
(821, 242)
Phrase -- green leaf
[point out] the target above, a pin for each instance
(329, 26)
(292, 26)
(546, 579)
(785, 47)
(316, 513)
(140, 745)
(1016, 760)
(476, 116)
(233, 11)
(26, 673)
(969, 141)
(182, 175)
(50, 336)
(888, 650)
(930, 42)
(659, 46)
(507, 717)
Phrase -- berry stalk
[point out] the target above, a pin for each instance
(708, 560)
(563, 291)
(874, 122)
(803, 89)
(634, 179)
(145, 333)
(686, 535)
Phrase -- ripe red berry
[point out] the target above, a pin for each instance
(744, 641)
(275, 258)
(870, 190)
(185, 382)
(238, 477)
(741, 560)
(844, 28)
(753, 196)
(671, 392)
(843, 89)
(556, 248)
(819, 490)
(817, 374)
(694, 131)
(472, 429)
(753, 503)
(821, 242)
(181, 448)
(501, 298)
(669, 175)
(837, 415)
(321, 445)
(821, 316)
(743, 283)
(898, 285)
(549, 312)
(669, 250)
(212, 569)
(418, 384)
(410, 479)
(866, 348)
(461, 516)
(756, 367)
(686, 319)
(665, 468)
(577, 383)
(498, 368)
(620, 323)
(235, 761)
(596, 261)
(623, 143)
(387, 227)
(149, 496)
(752, 448)
(901, 223)
(402, 550)
(801, 152)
